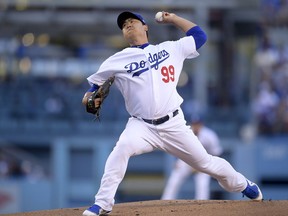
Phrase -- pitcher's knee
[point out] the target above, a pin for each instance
(123, 150)
(211, 165)
(204, 165)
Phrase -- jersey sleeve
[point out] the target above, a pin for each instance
(187, 47)
(106, 70)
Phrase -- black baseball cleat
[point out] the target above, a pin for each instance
(252, 191)
(95, 210)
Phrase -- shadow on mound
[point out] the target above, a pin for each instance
(181, 207)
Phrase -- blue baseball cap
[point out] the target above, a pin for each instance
(126, 15)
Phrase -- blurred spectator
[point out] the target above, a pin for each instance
(15, 170)
(32, 172)
(17, 167)
(264, 107)
(274, 12)
(266, 57)
(282, 116)
(4, 167)
(270, 9)
(54, 106)
(280, 72)
(283, 13)
(270, 104)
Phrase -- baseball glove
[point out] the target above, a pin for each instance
(101, 93)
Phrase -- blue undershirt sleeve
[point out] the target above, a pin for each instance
(93, 88)
(199, 36)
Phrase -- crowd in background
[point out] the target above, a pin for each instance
(270, 105)
(274, 12)
(14, 167)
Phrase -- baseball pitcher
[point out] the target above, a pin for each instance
(147, 77)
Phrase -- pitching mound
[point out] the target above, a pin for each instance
(181, 207)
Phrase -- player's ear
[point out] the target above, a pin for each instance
(146, 30)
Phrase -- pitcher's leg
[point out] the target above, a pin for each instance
(130, 143)
(223, 172)
(115, 168)
(186, 146)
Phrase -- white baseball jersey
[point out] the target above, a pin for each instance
(147, 77)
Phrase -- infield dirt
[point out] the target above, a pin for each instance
(181, 207)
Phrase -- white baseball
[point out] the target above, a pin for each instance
(159, 16)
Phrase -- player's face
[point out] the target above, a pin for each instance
(133, 29)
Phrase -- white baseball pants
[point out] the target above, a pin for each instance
(173, 137)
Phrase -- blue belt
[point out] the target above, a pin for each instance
(160, 120)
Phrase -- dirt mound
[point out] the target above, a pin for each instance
(181, 207)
